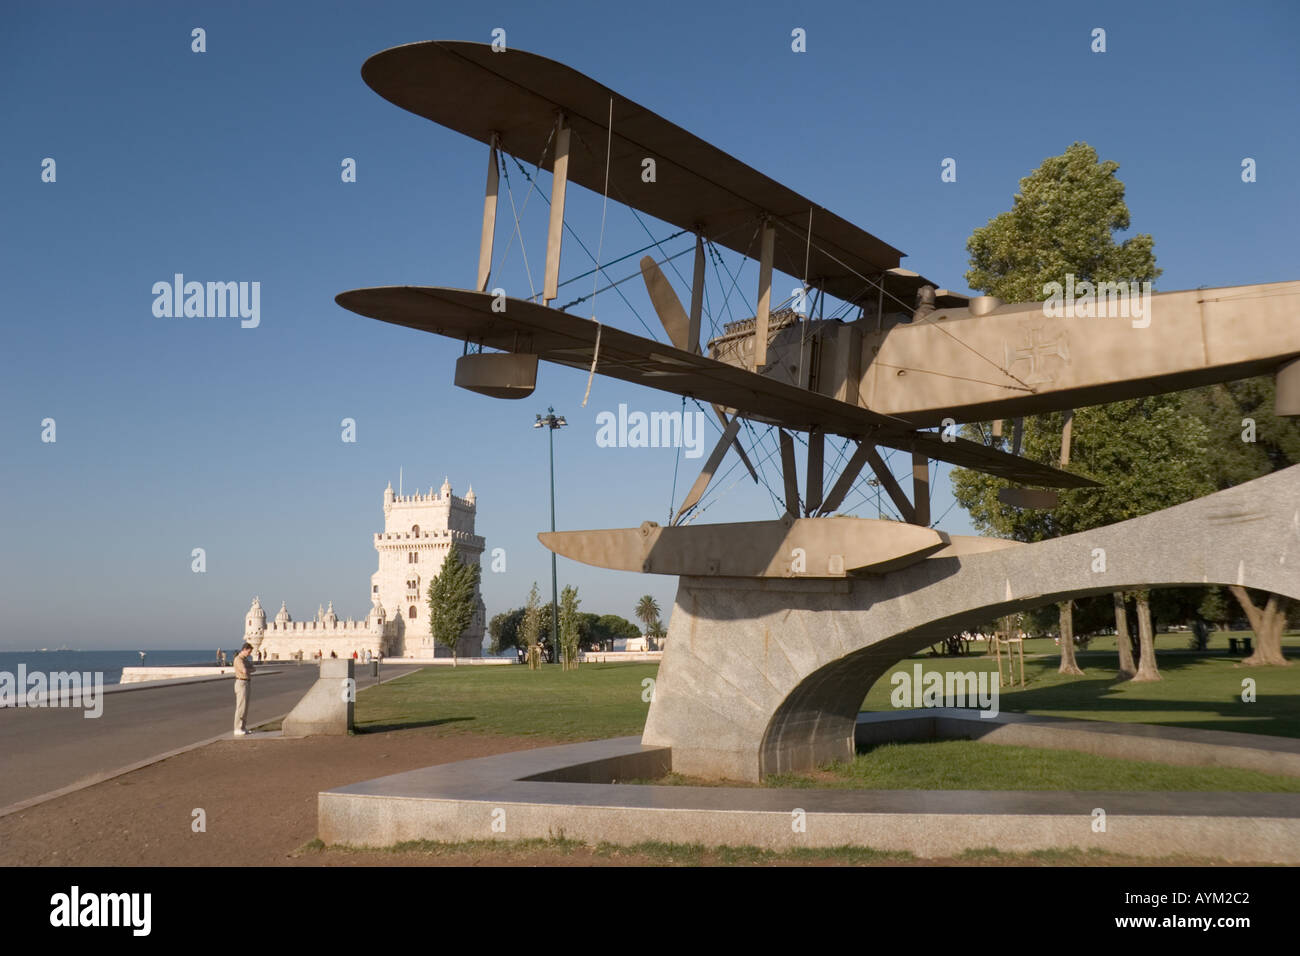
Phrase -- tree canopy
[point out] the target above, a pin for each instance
(452, 600)
(1061, 221)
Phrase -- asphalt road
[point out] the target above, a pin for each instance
(48, 748)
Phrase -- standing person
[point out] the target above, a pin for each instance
(243, 672)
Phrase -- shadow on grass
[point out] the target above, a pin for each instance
(1272, 713)
(407, 725)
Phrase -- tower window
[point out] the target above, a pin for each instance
(411, 613)
(415, 530)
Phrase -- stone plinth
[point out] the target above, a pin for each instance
(327, 708)
(764, 676)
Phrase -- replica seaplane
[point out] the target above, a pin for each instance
(908, 357)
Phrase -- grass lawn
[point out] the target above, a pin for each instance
(595, 701)
(605, 700)
(1198, 690)
(968, 765)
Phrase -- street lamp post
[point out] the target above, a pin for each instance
(551, 422)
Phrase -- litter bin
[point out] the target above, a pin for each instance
(374, 667)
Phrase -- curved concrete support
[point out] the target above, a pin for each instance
(765, 676)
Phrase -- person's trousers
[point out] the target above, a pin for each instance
(241, 703)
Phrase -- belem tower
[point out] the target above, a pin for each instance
(418, 533)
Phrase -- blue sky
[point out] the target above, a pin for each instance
(174, 433)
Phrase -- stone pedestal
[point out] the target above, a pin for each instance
(327, 708)
(764, 676)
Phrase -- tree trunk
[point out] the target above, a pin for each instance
(1147, 669)
(1068, 665)
(1122, 642)
(1268, 626)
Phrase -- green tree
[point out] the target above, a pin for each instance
(452, 599)
(1148, 456)
(570, 627)
(1248, 441)
(503, 630)
(647, 612)
(530, 628)
(617, 627)
(1062, 222)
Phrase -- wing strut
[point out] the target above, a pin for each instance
(766, 251)
(920, 490)
(816, 462)
(555, 233)
(847, 477)
(788, 472)
(890, 484)
(489, 219)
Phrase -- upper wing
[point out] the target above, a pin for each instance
(515, 95)
(555, 336)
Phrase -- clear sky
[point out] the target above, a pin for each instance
(175, 434)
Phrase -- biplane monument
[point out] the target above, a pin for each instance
(780, 626)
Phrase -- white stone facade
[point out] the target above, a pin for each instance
(418, 532)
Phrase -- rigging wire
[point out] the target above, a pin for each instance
(578, 239)
(614, 262)
(626, 278)
(517, 213)
(885, 291)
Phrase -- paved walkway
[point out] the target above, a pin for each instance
(48, 749)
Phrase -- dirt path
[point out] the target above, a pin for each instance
(259, 797)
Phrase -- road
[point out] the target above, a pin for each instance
(49, 748)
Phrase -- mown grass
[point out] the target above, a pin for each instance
(970, 765)
(1199, 691)
(595, 701)
(606, 700)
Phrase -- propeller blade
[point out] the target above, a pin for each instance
(669, 308)
(683, 330)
